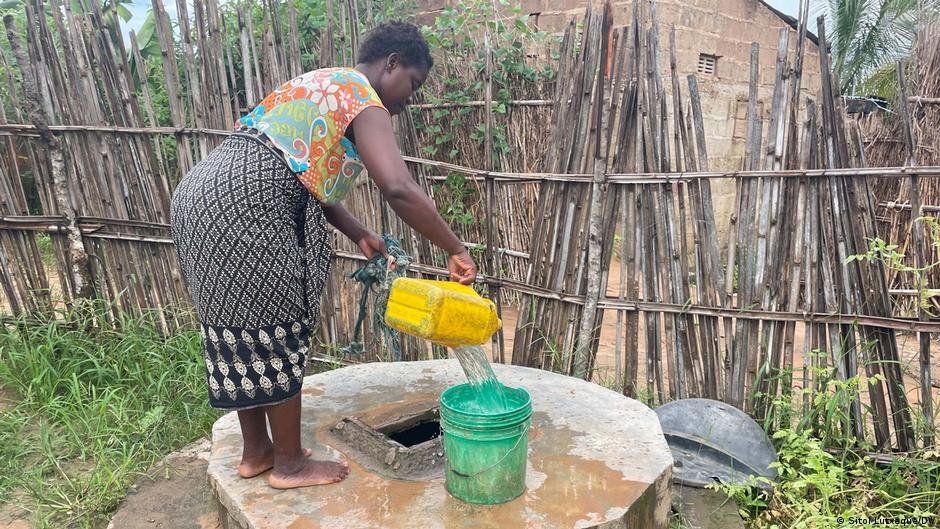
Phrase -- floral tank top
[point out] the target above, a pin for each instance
(306, 119)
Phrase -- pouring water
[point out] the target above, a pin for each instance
(489, 391)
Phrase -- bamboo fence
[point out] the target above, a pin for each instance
(602, 209)
(886, 141)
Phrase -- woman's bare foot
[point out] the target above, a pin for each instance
(311, 473)
(254, 465)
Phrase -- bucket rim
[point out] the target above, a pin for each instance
(525, 405)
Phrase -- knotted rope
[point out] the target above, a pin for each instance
(377, 277)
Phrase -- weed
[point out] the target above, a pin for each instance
(608, 378)
(455, 35)
(97, 405)
(826, 479)
(456, 210)
(554, 356)
(46, 250)
(817, 489)
(891, 258)
(454, 133)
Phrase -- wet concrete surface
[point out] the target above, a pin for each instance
(596, 459)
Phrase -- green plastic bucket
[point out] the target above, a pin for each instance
(485, 454)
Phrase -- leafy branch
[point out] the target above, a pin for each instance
(888, 254)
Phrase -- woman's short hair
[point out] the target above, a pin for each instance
(402, 38)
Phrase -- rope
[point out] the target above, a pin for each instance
(377, 277)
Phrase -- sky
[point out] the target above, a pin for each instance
(139, 9)
(790, 7)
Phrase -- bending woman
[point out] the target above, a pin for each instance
(249, 222)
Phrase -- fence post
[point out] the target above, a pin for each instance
(327, 56)
(82, 285)
(920, 255)
(584, 353)
(492, 243)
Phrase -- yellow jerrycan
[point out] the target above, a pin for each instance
(444, 312)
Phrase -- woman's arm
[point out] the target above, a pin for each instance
(375, 140)
(368, 241)
(344, 222)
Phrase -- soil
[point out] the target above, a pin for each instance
(173, 494)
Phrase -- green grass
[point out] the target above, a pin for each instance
(826, 490)
(46, 250)
(828, 480)
(93, 407)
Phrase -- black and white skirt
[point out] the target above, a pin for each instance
(255, 251)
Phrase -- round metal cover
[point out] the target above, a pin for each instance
(712, 441)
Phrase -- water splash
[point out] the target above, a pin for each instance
(490, 394)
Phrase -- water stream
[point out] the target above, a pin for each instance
(490, 394)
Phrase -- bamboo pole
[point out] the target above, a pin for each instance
(296, 68)
(263, 84)
(177, 114)
(251, 98)
(585, 351)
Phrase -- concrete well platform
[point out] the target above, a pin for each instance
(596, 459)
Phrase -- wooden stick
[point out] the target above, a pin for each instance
(296, 68)
(584, 351)
(493, 266)
(251, 98)
(78, 257)
(327, 54)
(482, 103)
(920, 258)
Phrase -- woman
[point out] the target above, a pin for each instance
(249, 222)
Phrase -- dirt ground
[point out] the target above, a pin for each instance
(172, 495)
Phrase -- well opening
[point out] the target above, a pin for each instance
(402, 443)
(414, 431)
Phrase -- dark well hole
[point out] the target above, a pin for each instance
(416, 434)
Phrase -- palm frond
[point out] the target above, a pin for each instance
(883, 82)
(869, 35)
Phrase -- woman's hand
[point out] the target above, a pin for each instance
(462, 268)
(370, 244)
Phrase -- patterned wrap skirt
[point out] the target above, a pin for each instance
(255, 251)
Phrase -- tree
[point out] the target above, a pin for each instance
(869, 36)
(76, 5)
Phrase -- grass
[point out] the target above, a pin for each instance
(828, 479)
(46, 250)
(826, 490)
(95, 406)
